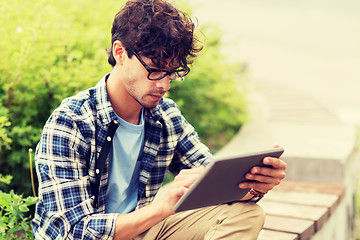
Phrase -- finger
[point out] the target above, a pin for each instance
(275, 163)
(186, 182)
(173, 197)
(177, 193)
(193, 170)
(266, 171)
(189, 173)
(186, 175)
(186, 179)
(269, 172)
(261, 187)
(264, 179)
(185, 172)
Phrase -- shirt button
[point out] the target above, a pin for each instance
(108, 138)
(97, 171)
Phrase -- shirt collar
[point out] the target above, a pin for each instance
(105, 111)
(153, 113)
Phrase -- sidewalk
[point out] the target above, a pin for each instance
(303, 70)
(317, 197)
(311, 46)
(317, 144)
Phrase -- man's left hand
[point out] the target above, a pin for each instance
(263, 179)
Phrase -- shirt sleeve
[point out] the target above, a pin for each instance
(64, 209)
(190, 151)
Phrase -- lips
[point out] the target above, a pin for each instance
(156, 97)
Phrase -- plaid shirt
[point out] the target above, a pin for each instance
(71, 142)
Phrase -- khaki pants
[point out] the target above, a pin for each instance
(240, 221)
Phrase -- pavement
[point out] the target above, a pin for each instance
(310, 46)
(318, 145)
(303, 58)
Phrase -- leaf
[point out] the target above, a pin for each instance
(5, 179)
(23, 208)
(31, 200)
(2, 226)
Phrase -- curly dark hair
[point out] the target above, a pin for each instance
(157, 30)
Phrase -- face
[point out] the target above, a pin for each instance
(146, 92)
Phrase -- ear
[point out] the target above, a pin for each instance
(119, 52)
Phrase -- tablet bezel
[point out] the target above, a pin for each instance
(218, 184)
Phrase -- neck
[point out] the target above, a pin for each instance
(124, 105)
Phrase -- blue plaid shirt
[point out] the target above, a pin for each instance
(71, 142)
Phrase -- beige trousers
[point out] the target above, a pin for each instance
(240, 221)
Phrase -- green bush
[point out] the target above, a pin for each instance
(14, 217)
(4, 138)
(49, 50)
(52, 49)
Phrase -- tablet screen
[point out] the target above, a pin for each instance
(219, 182)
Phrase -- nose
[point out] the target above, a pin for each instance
(163, 84)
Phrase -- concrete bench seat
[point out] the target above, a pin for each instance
(297, 210)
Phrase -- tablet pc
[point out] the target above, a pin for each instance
(219, 182)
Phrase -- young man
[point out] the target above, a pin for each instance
(103, 153)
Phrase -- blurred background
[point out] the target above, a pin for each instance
(312, 47)
(285, 72)
(303, 63)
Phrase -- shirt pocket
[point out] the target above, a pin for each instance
(92, 234)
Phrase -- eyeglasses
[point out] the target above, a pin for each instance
(156, 74)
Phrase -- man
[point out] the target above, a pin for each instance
(103, 153)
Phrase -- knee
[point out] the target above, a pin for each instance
(258, 213)
(243, 221)
(253, 214)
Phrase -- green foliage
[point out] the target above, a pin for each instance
(53, 49)
(14, 224)
(49, 50)
(4, 138)
(212, 96)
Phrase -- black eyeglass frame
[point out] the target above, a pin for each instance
(166, 73)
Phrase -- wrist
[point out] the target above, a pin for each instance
(163, 208)
(256, 193)
(253, 196)
(247, 197)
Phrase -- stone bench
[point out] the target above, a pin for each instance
(317, 199)
(297, 210)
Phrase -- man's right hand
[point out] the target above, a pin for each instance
(132, 224)
(180, 185)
